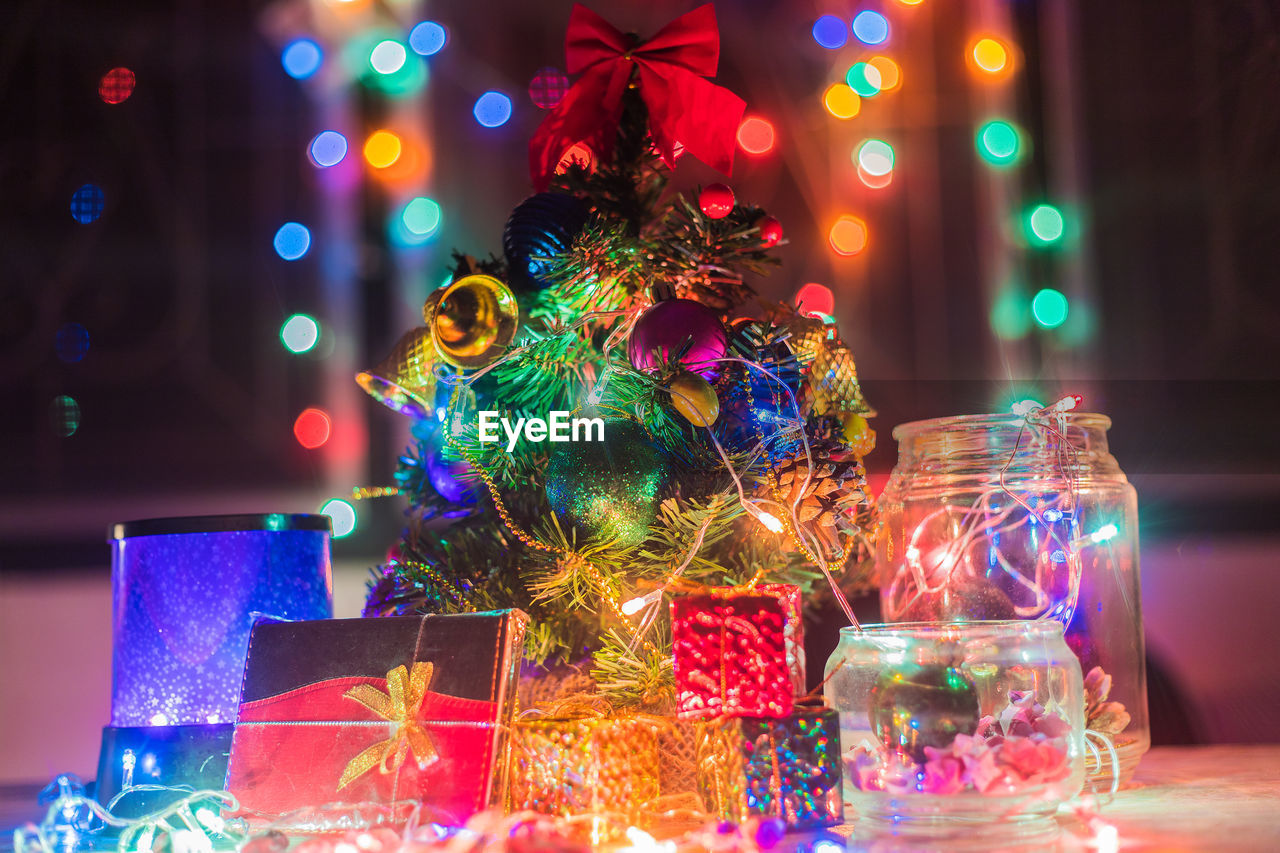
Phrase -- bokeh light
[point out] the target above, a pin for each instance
(848, 235)
(864, 79)
(1045, 224)
(421, 217)
(1010, 315)
(64, 416)
(87, 203)
(990, 55)
(890, 73)
(841, 101)
(1049, 307)
(830, 32)
(756, 135)
(427, 38)
(327, 149)
(875, 157)
(71, 342)
(301, 58)
(312, 428)
(387, 56)
(379, 59)
(548, 88)
(116, 85)
(870, 27)
(342, 515)
(814, 298)
(300, 333)
(492, 109)
(998, 143)
(875, 182)
(382, 148)
(292, 241)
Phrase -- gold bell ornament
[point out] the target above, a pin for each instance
(406, 379)
(472, 320)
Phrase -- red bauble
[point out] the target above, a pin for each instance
(770, 231)
(716, 201)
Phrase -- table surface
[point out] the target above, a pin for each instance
(1213, 798)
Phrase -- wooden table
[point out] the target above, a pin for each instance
(1211, 798)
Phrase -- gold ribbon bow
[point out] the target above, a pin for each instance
(399, 705)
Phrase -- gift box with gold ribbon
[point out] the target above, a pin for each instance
(737, 650)
(787, 768)
(413, 708)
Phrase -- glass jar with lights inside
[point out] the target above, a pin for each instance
(1026, 516)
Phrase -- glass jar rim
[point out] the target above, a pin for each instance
(974, 630)
(911, 429)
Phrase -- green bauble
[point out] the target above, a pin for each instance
(915, 706)
(607, 489)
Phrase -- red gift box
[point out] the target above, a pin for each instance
(382, 710)
(738, 651)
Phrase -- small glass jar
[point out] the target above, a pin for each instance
(945, 726)
(1002, 517)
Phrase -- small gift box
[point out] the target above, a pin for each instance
(738, 650)
(786, 768)
(588, 765)
(376, 710)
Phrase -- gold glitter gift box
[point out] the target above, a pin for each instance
(591, 765)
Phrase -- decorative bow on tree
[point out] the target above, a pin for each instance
(683, 107)
(399, 705)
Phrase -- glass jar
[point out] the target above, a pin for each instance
(945, 726)
(1003, 517)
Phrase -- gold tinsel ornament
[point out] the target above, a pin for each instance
(831, 373)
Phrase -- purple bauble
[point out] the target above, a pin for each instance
(673, 325)
(448, 475)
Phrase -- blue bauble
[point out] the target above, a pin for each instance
(754, 405)
(541, 226)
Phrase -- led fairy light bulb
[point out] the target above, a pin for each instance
(639, 603)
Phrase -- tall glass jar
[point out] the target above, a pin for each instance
(1003, 517)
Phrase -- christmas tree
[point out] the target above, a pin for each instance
(608, 414)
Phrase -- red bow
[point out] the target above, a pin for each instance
(683, 107)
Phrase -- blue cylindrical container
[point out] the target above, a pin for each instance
(185, 593)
